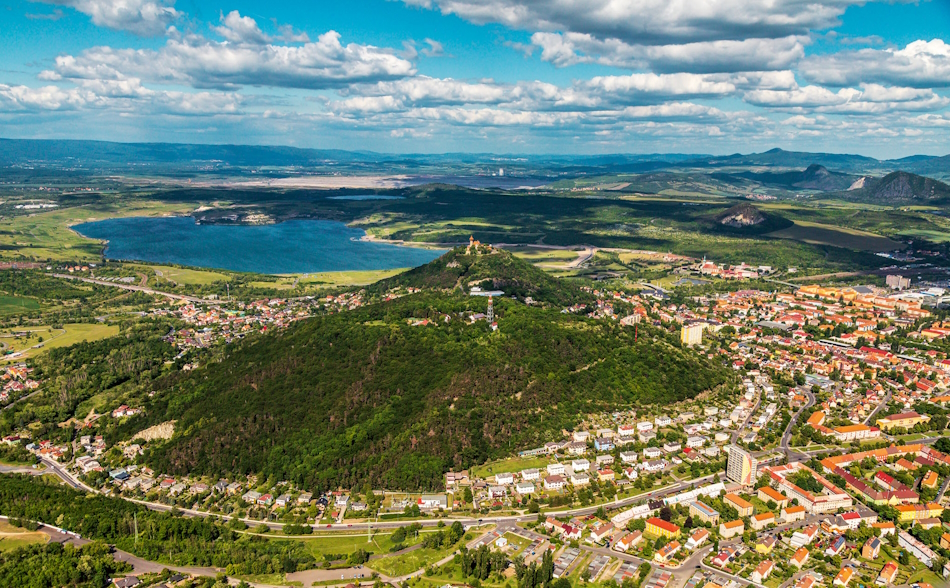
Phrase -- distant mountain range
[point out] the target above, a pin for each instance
(101, 153)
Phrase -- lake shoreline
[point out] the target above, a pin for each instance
(290, 247)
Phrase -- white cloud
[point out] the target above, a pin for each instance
(434, 49)
(653, 22)
(241, 29)
(922, 64)
(565, 49)
(599, 93)
(146, 18)
(870, 99)
(19, 98)
(202, 63)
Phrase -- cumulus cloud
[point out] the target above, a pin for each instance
(146, 18)
(653, 22)
(565, 49)
(241, 29)
(921, 64)
(870, 99)
(599, 93)
(247, 59)
(24, 98)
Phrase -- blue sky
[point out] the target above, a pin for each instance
(505, 76)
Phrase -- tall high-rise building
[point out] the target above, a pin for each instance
(742, 466)
(897, 282)
(692, 334)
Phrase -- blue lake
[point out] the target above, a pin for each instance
(366, 197)
(299, 246)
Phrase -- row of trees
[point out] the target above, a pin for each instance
(156, 536)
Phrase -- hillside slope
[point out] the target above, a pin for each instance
(900, 186)
(366, 396)
(814, 177)
(463, 268)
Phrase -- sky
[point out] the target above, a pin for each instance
(502, 76)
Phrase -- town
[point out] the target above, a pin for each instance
(826, 465)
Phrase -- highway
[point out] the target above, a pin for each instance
(132, 288)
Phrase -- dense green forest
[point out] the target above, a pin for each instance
(162, 536)
(72, 375)
(368, 397)
(59, 566)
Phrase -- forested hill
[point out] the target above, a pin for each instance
(463, 268)
(373, 396)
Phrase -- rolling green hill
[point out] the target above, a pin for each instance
(369, 397)
(461, 269)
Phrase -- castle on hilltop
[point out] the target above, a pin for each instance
(475, 246)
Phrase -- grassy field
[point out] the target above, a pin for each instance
(17, 304)
(189, 277)
(269, 579)
(933, 236)
(338, 543)
(70, 334)
(14, 537)
(47, 235)
(401, 565)
(352, 278)
(509, 465)
(820, 234)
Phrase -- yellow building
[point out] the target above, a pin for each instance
(660, 528)
(703, 512)
(692, 334)
(740, 504)
(904, 420)
(767, 493)
(731, 529)
(915, 512)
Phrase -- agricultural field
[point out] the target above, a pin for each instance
(933, 236)
(17, 304)
(821, 234)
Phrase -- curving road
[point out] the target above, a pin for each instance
(132, 288)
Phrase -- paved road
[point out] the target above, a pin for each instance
(755, 407)
(133, 288)
(792, 454)
(20, 399)
(887, 398)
